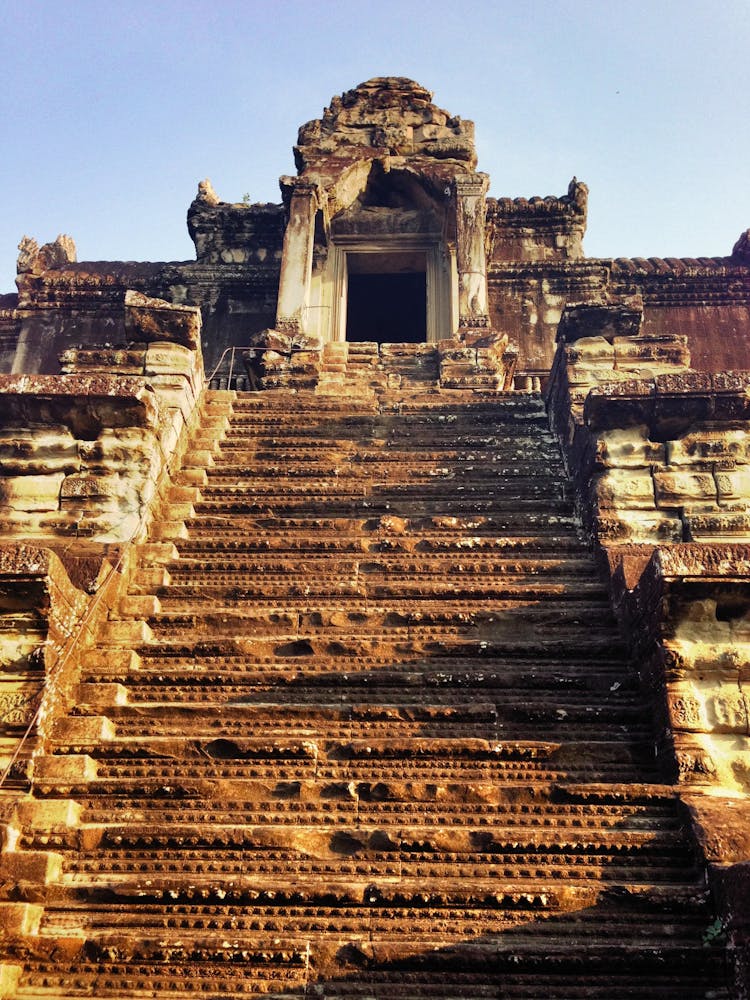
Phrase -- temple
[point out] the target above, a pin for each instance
(375, 596)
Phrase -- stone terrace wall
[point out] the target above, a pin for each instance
(40, 640)
(660, 452)
(707, 301)
(82, 453)
(535, 267)
(63, 304)
(85, 458)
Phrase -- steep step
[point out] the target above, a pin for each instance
(364, 727)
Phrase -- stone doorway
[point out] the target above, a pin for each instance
(387, 290)
(386, 299)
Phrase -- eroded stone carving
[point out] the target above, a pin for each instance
(36, 259)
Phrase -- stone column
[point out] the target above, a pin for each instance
(471, 192)
(296, 264)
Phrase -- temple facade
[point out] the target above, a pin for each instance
(375, 596)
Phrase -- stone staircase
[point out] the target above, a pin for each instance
(365, 728)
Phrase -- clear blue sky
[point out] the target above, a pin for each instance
(112, 112)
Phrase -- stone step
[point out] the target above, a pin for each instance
(557, 726)
(455, 403)
(504, 457)
(551, 833)
(371, 731)
(538, 518)
(204, 593)
(178, 686)
(541, 624)
(382, 759)
(602, 920)
(133, 764)
(539, 806)
(392, 564)
(295, 535)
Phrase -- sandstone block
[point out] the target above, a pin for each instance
(84, 486)
(138, 606)
(456, 370)
(336, 351)
(20, 919)
(195, 476)
(198, 458)
(101, 695)
(628, 448)
(49, 813)
(113, 661)
(625, 488)
(588, 350)
(83, 729)
(453, 350)
(39, 867)
(158, 553)
(720, 526)
(70, 769)
(183, 494)
(636, 526)
(37, 451)
(124, 633)
(710, 445)
(673, 489)
(31, 493)
(9, 974)
(672, 383)
(665, 351)
(151, 319)
(734, 485)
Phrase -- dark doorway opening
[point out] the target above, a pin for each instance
(387, 308)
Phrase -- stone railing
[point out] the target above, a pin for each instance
(40, 614)
(688, 615)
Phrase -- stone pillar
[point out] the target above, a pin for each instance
(471, 192)
(296, 265)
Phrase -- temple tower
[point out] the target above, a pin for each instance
(386, 221)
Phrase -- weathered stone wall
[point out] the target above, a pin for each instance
(84, 305)
(660, 454)
(364, 369)
(85, 458)
(74, 305)
(527, 300)
(706, 300)
(535, 268)
(82, 453)
(688, 615)
(659, 451)
(537, 229)
(225, 233)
